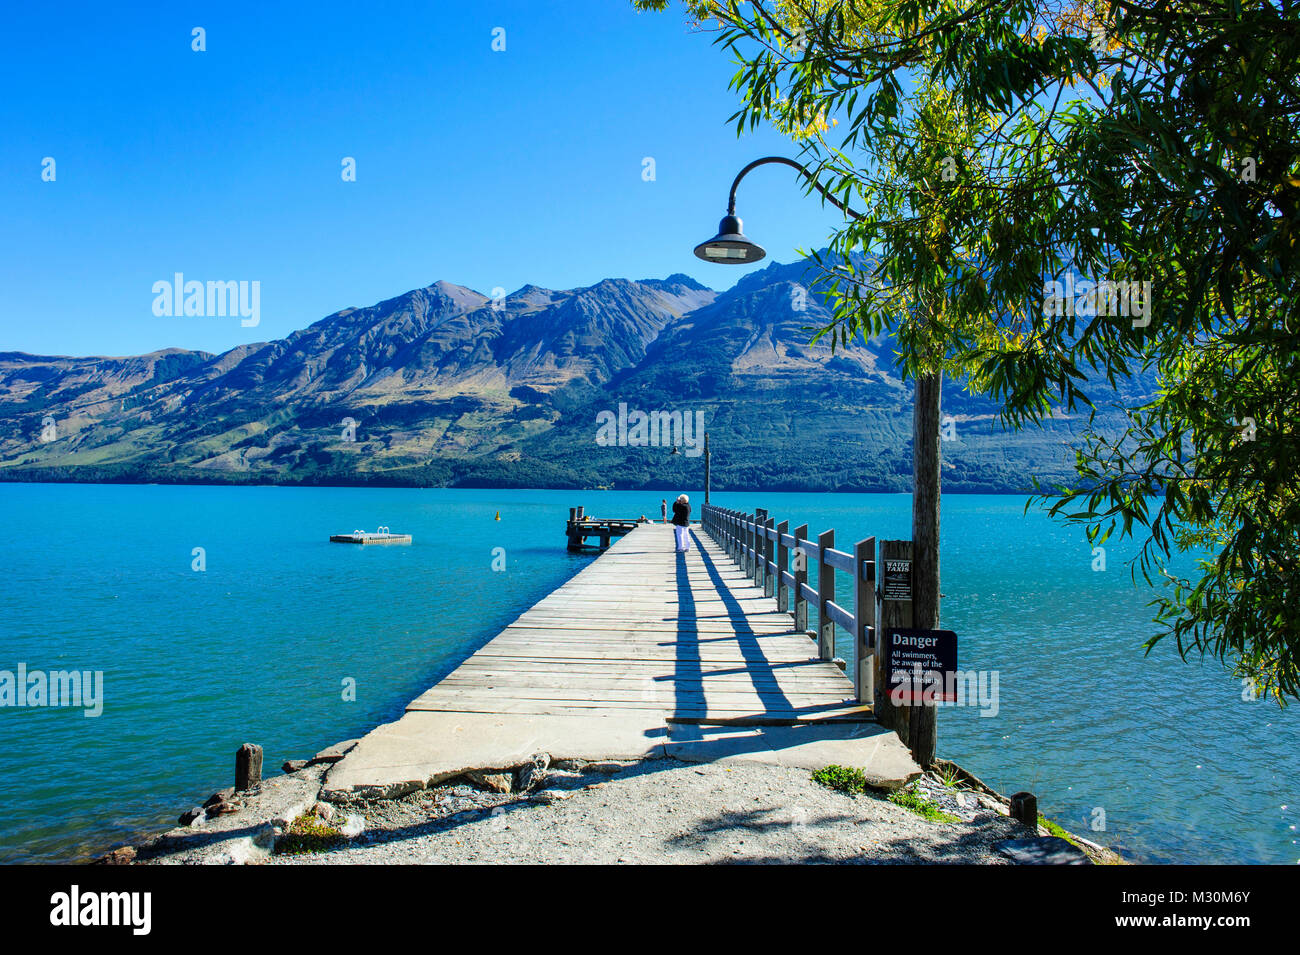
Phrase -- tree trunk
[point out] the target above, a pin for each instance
(925, 543)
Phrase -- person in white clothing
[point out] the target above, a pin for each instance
(682, 523)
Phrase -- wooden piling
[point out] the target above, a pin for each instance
(248, 767)
(1024, 808)
(893, 613)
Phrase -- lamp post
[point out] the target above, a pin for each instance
(732, 247)
(706, 468)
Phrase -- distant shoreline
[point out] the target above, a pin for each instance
(7, 476)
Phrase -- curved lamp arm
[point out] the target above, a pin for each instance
(731, 200)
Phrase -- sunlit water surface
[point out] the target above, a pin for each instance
(261, 646)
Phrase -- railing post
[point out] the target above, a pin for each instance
(825, 594)
(801, 578)
(760, 546)
(751, 542)
(782, 566)
(768, 548)
(744, 543)
(864, 619)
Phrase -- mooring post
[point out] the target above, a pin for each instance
(800, 580)
(825, 594)
(1024, 808)
(248, 767)
(864, 619)
(782, 567)
(571, 530)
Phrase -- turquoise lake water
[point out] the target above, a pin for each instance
(257, 648)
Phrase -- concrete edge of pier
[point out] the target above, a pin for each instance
(423, 749)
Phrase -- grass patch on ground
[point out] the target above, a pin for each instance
(920, 805)
(848, 780)
(1056, 830)
(309, 834)
(844, 779)
(949, 777)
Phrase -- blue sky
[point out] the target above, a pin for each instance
(487, 169)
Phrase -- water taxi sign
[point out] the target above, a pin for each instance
(897, 580)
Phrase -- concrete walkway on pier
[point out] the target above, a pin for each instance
(644, 653)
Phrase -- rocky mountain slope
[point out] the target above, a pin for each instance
(442, 385)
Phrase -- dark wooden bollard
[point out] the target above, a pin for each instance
(248, 767)
(1024, 807)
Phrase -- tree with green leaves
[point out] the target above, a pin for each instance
(1003, 148)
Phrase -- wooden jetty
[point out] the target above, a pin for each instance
(647, 652)
(380, 536)
(581, 527)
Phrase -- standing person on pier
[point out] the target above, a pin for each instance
(682, 523)
(663, 509)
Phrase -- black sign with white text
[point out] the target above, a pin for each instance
(897, 581)
(920, 665)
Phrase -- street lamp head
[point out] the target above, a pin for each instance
(729, 246)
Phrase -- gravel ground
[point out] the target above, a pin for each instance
(666, 811)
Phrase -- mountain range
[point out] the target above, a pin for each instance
(443, 385)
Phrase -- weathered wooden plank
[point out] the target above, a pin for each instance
(644, 630)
